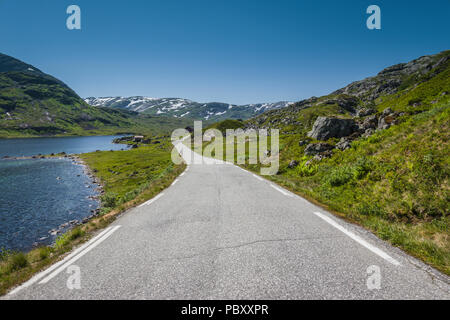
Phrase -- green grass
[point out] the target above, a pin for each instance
(128, 177)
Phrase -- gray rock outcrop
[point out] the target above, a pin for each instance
(325, 128)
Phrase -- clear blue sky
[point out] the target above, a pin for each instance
(236, 51)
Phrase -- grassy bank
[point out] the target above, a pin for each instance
(128, 178)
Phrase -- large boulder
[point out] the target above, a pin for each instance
(325, 128)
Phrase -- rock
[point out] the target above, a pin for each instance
(134, 146)
(316, 148)
(348, 103)
(320, 157)
(368, 133)
(365, 112)
(293, 164)
(386, 122)
(386, 112)
(303, 143)
(325, 128)
(369, 122)
(343, 144)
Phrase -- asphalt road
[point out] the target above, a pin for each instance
(220, 232)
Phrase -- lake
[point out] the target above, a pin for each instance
(70, 145)
(40, 195)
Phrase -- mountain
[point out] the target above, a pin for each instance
(33, 103)
(184, 108)
(361, 97)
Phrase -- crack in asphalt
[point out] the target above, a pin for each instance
(212, 251)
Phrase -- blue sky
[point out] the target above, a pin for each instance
(219, 50)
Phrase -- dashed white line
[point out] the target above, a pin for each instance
(358, 239)
(71, 261)
(281, 190)
(173, 183)
(42, 274)
(151, 200)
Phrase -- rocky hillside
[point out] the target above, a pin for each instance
(183, 108)
(361, 98)
(33, 103)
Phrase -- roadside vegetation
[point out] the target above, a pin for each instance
(128, 178)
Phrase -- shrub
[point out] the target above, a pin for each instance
(18, 261)
(109, 200)
(62, 241)
(76, 233)
(44, 252)
(339, 176)
(304, 170)
(361, 167)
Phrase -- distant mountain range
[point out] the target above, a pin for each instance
(184, 108)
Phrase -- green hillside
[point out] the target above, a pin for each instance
(33, 103)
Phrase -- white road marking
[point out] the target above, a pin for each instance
(71, 261)
(151, 200)
(42, 274)
(173, 183)
(258, 177)
(182, 174)
(358, 239)
(281, 190)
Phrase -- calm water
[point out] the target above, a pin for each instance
(38, 195)
(69, 145)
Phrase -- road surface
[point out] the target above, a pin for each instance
(220, 232)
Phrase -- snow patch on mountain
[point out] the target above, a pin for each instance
(179, 107)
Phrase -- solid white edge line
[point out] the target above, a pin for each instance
(71, 261)
(257, 177)
(358, 239)
(151, 200)
(281, 190)
(175, 181)
(42, 274)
